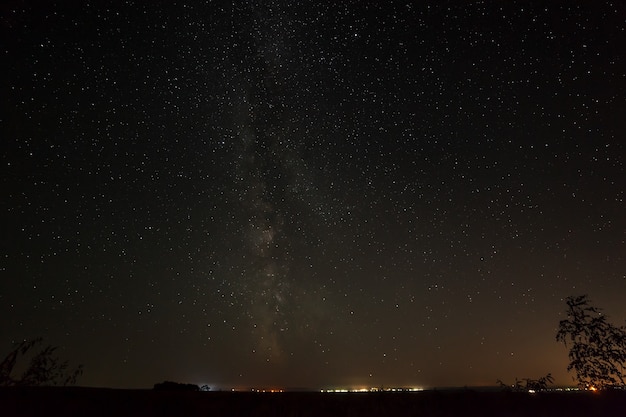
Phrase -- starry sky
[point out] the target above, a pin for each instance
(310, 194)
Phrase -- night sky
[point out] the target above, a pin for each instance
(324, 194)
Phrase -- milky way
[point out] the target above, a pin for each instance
(269, 193)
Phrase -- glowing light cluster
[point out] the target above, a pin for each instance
(372, 389)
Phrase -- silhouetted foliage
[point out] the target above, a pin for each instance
(527, 384)
(597, 348)
(44, 368)
(540, 384)
(503, 386)
(175, 386)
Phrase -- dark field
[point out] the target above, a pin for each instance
(109, 402)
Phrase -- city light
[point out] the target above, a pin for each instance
(372, 389)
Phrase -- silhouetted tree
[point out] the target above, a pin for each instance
(503, 386)
(175, 386)
(597, 348)
(527, 384)
(44, 368)
(540, 384)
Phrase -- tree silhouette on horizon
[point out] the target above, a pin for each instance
(597, 348)
(527, 384)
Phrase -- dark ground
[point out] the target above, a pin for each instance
(109, 402)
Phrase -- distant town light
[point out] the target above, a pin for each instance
(373, 389)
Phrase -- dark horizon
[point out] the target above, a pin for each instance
(35, 401)
(322, 194)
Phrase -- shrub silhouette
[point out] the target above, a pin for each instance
(44, 368)
(527, 384)
(175, 386)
